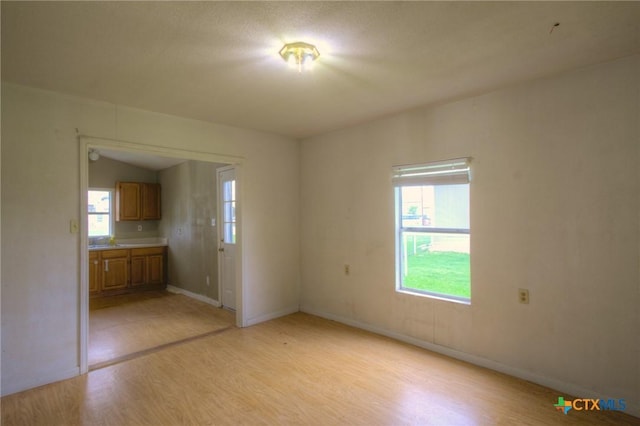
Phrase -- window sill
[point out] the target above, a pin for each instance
(434, 296)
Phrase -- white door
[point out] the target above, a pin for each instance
(227, 236)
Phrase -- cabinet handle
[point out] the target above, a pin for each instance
(106, 265)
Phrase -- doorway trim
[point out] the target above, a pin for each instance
(85, 143)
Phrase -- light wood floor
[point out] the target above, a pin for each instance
(129, 324)
(299, 370)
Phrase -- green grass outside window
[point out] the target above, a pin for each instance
(447, 273)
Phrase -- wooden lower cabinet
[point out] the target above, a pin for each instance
(147, 266)
(156, 269)
(138, 271)
(124, 270)
(115, 269)
(94, 272)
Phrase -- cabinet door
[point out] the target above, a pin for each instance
(115, 269)
(155, 264)
(149, 264)
(150, 201)
(128, 201)
(94, 272)
(138, 270)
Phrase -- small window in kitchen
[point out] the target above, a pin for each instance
(100, 212)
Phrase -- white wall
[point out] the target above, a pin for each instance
(41, 194)
(554, 208)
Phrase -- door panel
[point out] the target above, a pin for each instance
(227, 201)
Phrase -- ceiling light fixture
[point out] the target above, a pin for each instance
(94, 154)
(299, 54)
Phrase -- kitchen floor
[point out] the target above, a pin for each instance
(127, 326)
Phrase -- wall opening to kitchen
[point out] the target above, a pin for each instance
(176, 250)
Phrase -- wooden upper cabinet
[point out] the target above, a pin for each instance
(137, 201)
(150, 201)
(127, 201)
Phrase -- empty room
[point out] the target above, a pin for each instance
(379, 213)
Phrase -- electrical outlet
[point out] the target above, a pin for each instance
(523, 296)
(346, 269)
(139, 228)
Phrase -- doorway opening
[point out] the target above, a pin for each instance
(188, 227)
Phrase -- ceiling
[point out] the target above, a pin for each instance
(218, 61)
(140, 159)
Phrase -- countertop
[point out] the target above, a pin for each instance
(129, 244)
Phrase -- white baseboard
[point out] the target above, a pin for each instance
(10, 388)
(273, 315)
(217, 304)
(568, 388)
(200, 297)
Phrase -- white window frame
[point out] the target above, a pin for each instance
(111, 192)
(447, 172)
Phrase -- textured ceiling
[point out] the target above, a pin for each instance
(218, 61)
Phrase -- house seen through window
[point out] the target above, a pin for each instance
(100, 213)
(432, 229)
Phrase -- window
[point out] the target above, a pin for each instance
(432, 229)
(99, 212)
(229, 211)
